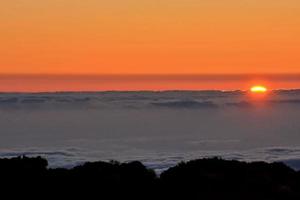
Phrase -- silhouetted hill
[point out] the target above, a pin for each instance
(198, 179)
(216, 178)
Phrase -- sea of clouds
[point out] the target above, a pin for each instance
(158, 128)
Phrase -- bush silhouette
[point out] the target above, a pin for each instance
(216, 178)
(212, 178)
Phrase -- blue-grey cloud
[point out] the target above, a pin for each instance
(242, 104)
(286, 101)
(189, 104)
(9, 100)
(33, 100)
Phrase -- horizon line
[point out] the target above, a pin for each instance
(144, 82)
(157, 91)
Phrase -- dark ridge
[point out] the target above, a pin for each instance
(198, 179)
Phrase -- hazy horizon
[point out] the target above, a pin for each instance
(144, 82)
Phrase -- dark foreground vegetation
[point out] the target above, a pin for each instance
(198, 179)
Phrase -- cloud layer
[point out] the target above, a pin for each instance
(171, 99)
(158, 128)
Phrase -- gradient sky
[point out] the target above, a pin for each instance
(149, 37)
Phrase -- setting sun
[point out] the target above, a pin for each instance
(258, 89)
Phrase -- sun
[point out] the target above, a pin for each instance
(258, 89)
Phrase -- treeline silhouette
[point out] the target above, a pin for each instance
(212, 178)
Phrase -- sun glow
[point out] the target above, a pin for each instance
(258, 89)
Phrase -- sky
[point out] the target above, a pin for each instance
(125, 37)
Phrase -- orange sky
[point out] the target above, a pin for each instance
(149, 37)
